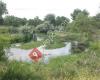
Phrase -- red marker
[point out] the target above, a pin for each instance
(35, 55)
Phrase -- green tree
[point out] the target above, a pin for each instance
(83, 25)
(14, 21)
(96, 21)
(34, 22)
(23, 21)
(37, 21)
(3, 11)
(61, 20)
(77, 11)
(50, 18)
(30, 22)
(27, 32)
(45, 27)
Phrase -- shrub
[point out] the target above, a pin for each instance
(95, 45)
(45, 27)
(4, 44)
(16, 38)
(78, 47)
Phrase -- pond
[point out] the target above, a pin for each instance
(23, 55)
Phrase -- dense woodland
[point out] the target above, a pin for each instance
(82, 64)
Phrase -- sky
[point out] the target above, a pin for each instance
(31, 8)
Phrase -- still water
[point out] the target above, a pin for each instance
(23, 55)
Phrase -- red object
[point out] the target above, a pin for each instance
(35, 54)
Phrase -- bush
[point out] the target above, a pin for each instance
(78, 47)
(4, 44)
(45, 27)
(13, 30)
(2, 52)
(16, 38)
(95, 45)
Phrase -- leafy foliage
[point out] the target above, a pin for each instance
(77, 11)
(45, 27)
(50, 18)
(36, 21)
(3, 10)
(4, 44)
(14, 21)
(60, 20)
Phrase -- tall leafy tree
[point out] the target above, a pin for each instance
(61, 21)
(30, 22)
(50, 18)
(45, 27)
(3, 11)
(37, 21)
(96, 21)
(14, 21)
(77, 11)
(23, 21)
(83, 25)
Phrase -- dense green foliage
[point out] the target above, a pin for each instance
(36, 21)
(45, 27)
(14, 21)
(77, 12)
(4, 44)
(61, 20)
(3, 10)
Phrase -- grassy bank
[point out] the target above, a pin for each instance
(30, 45)
(34, 44)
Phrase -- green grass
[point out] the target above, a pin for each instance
(12, 38)
(31, 45)
(5, 38)
(4, 29)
